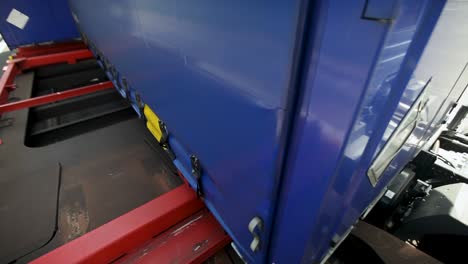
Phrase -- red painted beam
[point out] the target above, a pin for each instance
(62, 57)
(114, 239)
(24, 63)
(6, 81)
(38, 50)
(193, 240)
(49, 98)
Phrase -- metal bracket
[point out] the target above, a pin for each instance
(196, 171)
(139, 101)
(168, 150)
(164, 140)
(378, 10)
(164, 132)
(255, 226)
(107, 64)
(114, 73)
(125, 88)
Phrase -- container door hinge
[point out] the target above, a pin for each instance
(139, 102)
(114, 73)
(379, 10)
(255, 227)
(164, 132)
(196, 172)
(165, 140)
(126, 88)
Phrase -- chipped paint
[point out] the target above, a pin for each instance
(185, 226)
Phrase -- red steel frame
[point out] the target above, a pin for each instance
(153, 232)
(173, 228)
(114, 239)
(45, 99)
(31, 51)
(191, 241)
(17, 65)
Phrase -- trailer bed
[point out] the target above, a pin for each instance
(71, 166)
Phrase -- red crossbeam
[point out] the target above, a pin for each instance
(62, 57)
(114, 239)
(17, 65)
(6, 81)
(37, 50)
(193, 240)
(49, 98)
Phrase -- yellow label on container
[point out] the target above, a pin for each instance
(153, 123)
(155, 131)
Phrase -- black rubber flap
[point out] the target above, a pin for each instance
(28, 211)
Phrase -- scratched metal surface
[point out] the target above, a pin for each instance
(187, 242)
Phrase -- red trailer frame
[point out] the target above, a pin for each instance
(175, 227)
(16, 65)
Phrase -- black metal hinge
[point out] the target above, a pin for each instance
(196, 171)
(379, 10)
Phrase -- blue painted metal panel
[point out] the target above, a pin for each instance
(217, 73)
(49, 20)
(442, 61)
(340, 147)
